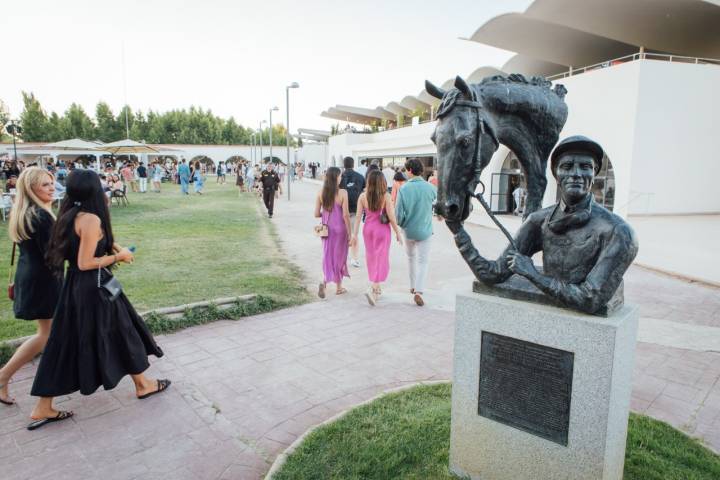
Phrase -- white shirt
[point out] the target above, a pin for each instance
(362, 170)
(389, 175)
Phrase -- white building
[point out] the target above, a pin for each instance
(641, 81)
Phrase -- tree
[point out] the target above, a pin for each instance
(124, 122)
(54, 130)
(33, 119)
(107, 129)
(77, 124)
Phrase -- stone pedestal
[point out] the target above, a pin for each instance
(554, 397)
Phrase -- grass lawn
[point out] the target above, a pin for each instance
(189, 248)
(406, 435)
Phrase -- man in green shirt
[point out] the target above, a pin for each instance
(414, 215)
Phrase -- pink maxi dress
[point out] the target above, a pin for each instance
(335, 245)
(377, 246)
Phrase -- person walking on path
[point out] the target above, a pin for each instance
(354, 183)
(142, 174)
(331, 205)
(97, 337)
(379, 211)
(198, 179)
(36, 287)
(184, 175)
(240, 177)
(362, 169)
(414, 215)
(270, 183)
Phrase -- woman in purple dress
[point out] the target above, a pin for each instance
(331, 205)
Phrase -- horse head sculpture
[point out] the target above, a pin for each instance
(473, 120)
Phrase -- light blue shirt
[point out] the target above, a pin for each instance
(414, 208)
(183, 171)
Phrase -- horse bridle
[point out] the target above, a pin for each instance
(480, 126)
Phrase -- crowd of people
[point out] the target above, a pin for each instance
(397, 202)
(87, 329)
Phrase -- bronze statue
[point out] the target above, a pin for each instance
(586, 248)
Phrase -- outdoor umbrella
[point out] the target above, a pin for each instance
(127, 147)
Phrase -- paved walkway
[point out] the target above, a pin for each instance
(243, 391)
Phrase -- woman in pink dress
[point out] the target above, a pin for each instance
(377, 204)
(331, 205)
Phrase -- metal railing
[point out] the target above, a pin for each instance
(632, 58)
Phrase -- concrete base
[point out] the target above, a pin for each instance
(604, 354)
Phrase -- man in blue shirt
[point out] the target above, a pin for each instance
(414, 216)
(184, 174)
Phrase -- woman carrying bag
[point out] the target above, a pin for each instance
(331, 205)
(377, 205)
(36, 288)
(97, 337)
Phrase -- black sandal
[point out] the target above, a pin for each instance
(162, 386)
(62, 415)
(10, 402)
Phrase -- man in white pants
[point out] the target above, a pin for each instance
(414, 216)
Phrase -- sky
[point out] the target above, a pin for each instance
(236, 57)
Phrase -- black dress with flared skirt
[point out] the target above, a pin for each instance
(94, 341)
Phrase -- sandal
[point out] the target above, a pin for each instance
(321, 290)
(9, 402)
(62, 415)
(370, 295)
(341, 291)
(162, 385)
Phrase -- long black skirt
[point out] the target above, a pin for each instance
(94, 341)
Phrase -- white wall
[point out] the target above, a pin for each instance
(413, 140)
(313, 152)
(676, 164)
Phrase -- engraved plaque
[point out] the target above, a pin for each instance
(526, 386)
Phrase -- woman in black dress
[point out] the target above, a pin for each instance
(36, 288)
(96, 339)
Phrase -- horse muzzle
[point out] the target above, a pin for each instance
(456, 208)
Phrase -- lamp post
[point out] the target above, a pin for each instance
(273, 109)
(252, 149)
(14, 130)
(260, 130)
(287, 130)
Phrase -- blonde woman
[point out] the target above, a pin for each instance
(37, 287)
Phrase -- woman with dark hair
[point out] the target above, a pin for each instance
(398, 181)
(97, 337)
(36, 287)
(377, 204)
(331, 205)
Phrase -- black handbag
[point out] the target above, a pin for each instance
(111, 286)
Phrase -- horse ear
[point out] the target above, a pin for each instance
(436, 92)
(464, 88)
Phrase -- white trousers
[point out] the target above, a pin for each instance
(418, 253)
(143, 184)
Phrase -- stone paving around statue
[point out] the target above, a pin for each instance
(243, 391)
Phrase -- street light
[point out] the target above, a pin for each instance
(14, 130)
(260, 130)
(287, 130)
(252, 149)
(273, 109)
